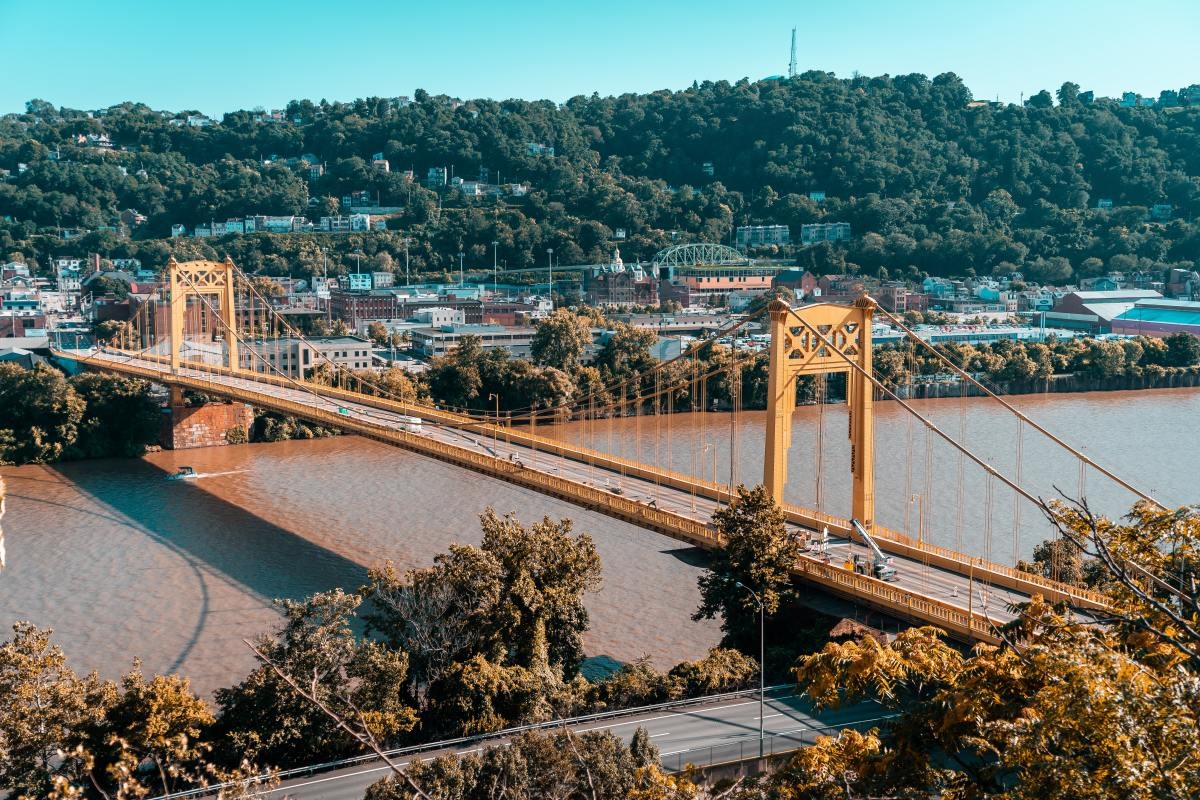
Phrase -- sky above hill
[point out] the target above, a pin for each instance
(221, 55)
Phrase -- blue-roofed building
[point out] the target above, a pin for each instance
(1094, 312)
(1159, 318)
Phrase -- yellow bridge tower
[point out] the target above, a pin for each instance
(812, 340)
(201, 278)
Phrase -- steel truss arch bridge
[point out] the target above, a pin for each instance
(701, 254)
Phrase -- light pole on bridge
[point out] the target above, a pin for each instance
(495, 424)
(762, 668)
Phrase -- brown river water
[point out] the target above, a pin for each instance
(124, 564)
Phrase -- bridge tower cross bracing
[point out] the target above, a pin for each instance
(200, 278)
(812, 340)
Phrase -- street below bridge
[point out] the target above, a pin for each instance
(700, 734)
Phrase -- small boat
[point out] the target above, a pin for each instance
(182, 474)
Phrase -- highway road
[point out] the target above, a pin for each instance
(719, 731)
(963, 591)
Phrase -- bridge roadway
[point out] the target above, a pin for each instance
(702, 734)
(967, 598)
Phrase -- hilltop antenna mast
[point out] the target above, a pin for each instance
(792, 63)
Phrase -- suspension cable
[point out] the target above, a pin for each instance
(971, 379)
(924, 420)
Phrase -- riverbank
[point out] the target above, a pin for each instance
(1057, 384)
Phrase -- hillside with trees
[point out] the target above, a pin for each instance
(931, 181)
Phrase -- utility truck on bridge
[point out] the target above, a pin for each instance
(881, 565)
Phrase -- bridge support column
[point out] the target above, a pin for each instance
(781, 402)
(209, 425)
(210, 281)
(862, 426)
(813, 340)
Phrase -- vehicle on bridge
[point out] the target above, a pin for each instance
(410, 424)
(881, 565)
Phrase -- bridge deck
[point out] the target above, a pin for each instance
(966, 596)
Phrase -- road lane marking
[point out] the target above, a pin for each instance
(656, 735)
(665, 716)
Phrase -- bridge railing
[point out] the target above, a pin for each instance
(631, 510)
(482, 739)
(747, 748)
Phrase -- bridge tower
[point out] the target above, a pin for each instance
(812, 340)
(200, 278)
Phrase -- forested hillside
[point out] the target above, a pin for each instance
(930, 182)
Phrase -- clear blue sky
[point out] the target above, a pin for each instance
(220, 55)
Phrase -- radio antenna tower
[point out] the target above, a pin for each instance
(792, 63)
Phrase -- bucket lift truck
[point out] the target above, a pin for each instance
(881, 565)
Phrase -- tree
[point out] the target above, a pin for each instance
(1068, 94)
(759, 554)
(151, 739)
(440, 616)
(561, 340)
(546, 572)
(626, 353)
(39, 415)
(378, 333)
(1042, 99)
(557, 766)
(44, 709)
(264, 718)
(1183, 350)
(1062, 709)
(121, 419)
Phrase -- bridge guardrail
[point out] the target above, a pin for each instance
(746, 748)
(691, 531)
(889, 540)
(329, 766)
(896, 599)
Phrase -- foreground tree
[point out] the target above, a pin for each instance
(44, 709)
(559, 766)
(495, 632)
(264, 718)
(151, 740)
(1104, 708)
(758, 553)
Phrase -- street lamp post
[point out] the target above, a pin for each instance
(495, 424)
(495, 272)
(460, 269)
(920, 500)
(761, 664)
(550, 266)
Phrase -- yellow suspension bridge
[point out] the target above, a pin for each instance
(208, 331)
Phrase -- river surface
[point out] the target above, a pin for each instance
(123, 564)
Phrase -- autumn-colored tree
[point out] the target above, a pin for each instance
(150, 741)
(44, 709)
(1103, 707)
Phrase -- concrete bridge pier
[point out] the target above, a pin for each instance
(209, 425)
